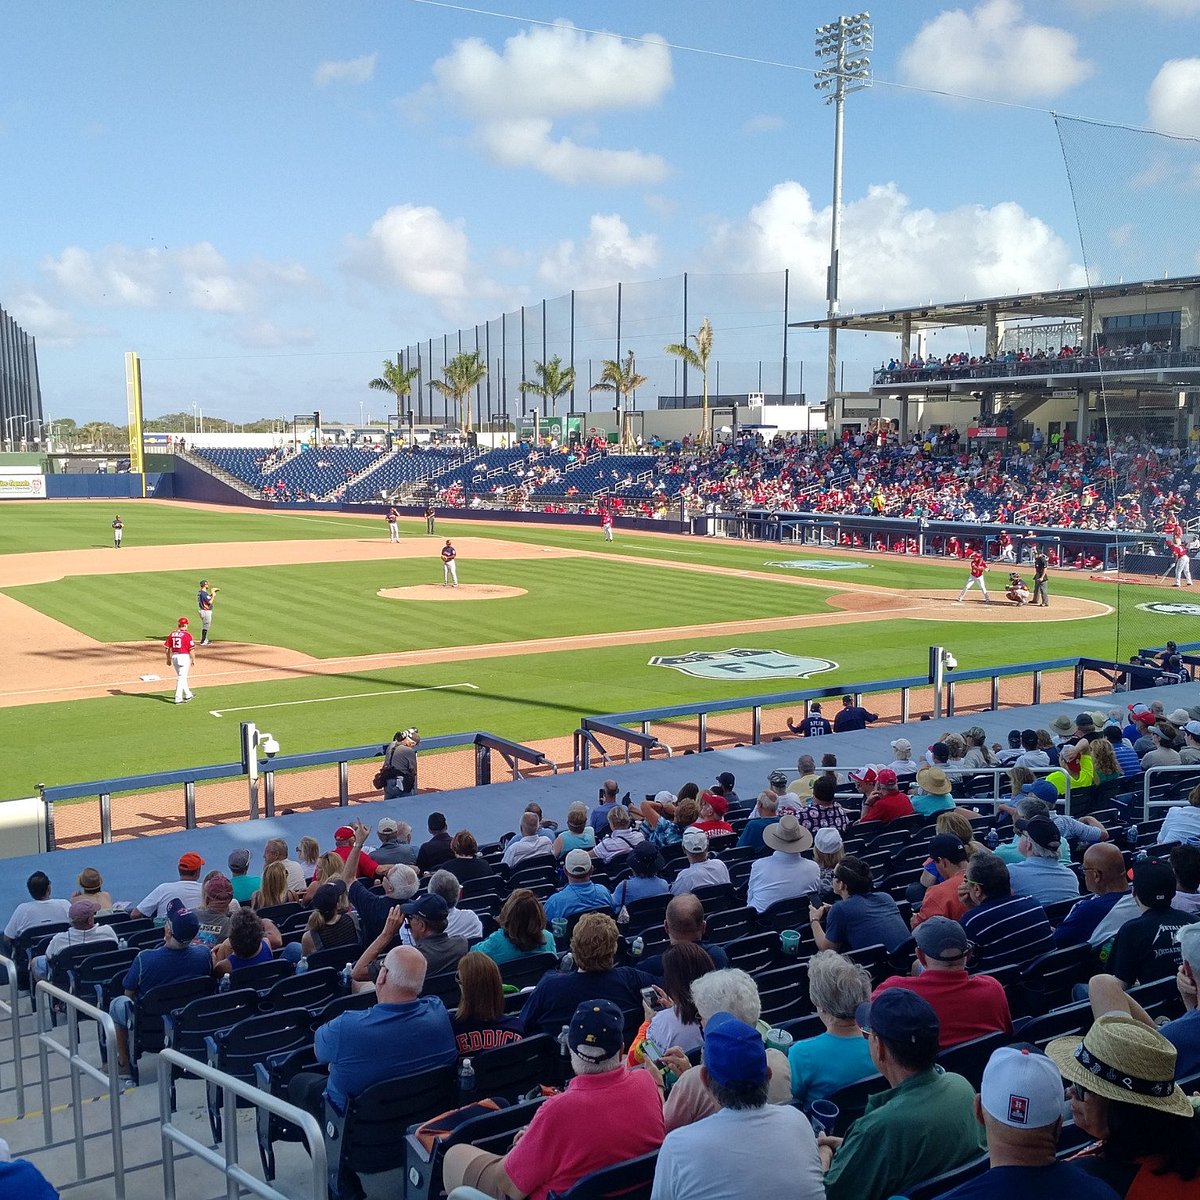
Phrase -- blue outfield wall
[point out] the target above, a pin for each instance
(119, 487)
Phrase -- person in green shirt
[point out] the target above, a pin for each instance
(922, 1125)
(244, 884)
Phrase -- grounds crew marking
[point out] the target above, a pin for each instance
(441, 687)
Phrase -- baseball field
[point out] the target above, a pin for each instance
(328, 635)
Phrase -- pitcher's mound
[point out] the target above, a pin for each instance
(464, 591)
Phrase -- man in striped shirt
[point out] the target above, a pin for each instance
(1002, 927)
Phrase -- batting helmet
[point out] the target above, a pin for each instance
(183, 621)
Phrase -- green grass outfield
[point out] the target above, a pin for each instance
(330, 611)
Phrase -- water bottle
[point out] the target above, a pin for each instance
(347, 975)
(638, 946)
(991, 838)
(1131, 835)
(223, 986)
(466, 1081)
(564, 1042)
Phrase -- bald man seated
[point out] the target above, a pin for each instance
(1104, 878)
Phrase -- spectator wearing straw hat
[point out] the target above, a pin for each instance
(933, 792)
(91, 888)
(1020, 1107)
(1123, 1093)
(785, 874)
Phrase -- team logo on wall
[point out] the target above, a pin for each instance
(1167, 609)
(743, 664)
(819, 564)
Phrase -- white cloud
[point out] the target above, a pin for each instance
(195, 276)
(38, 316)
(994, 51)
(416, 247)
(1173, 100)
(762, 123)
(546, 75)
(893, 253)
(350, 70)
(608, 253)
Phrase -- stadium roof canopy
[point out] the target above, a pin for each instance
(1030, 305)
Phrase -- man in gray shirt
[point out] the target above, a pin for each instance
(395, 843)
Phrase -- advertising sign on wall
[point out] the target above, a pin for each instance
(22, 487)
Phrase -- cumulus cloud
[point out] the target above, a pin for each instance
(196, 276)
(1173, 100)
(994, 51)
(350, 70)
(46, 321)
(893, 253)
(762, 123)
(549, 74)
(608, 253)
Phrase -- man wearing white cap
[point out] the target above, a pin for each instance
(701, 870)
(580, 894)
(1020, 1105)
(1189, 756)
(903, 764)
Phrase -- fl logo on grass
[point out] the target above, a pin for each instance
(743, 664)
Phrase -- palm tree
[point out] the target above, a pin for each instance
(463, 373)
(621, 378)
(698, 357)
(398, 381)
(555, 382)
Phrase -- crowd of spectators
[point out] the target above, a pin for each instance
(899, 921)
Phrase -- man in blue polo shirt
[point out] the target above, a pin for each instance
(580, 894)
(175, 961)
(403, 1033)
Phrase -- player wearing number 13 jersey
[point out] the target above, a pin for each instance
(180, 656)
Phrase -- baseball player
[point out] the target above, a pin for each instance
(606, 522)
(205, 598)
(430, 518)
(449, 566)
(975, 579)
(1017, 590)
(118, 529)
(1172, 530)
(1183, 563)
(393, 524)
(180, 655)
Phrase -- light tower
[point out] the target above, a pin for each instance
(842, 47)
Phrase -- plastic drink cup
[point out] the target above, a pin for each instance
(823, 1115)
(559, 925)
(789, 941)
(779, 1039)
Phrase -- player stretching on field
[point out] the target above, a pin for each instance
(205, 598)
(975, 579)
(180, 656)
(449, 567)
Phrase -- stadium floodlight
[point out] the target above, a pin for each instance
(838, 77)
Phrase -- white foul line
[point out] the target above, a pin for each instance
(441, 687)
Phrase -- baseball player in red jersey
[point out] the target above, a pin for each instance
(606, 523)
(1183, 563)
(180, 656)
(975, 579)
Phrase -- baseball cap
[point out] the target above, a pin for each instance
(827, 840)
(885, 777)
(326, 897)
(643, 854)
(343, 833)
(597, 1030)
(1145, 717)
(430, 906)
(1192, 727)
(184, 924)
(866, 775)
(941, 938)
(1084, 721)
(899, 1015)
(695, 841)
(190, 861)
(182, 621)
(1043, 789)
(1154, 882)
(217, 890)
(947, 845)
(733, 1051)
(718, 804)
(577, 862)
(725, 779)
(1021, 1088)
(387, 825)
(902, 744)
(1042, 832)
(1179, 716)
(81, 910)
(664, 797)
(778, 780)
(239, 860)
(410, 734)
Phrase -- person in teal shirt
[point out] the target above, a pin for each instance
(522, 932)
(933, 792)
(840, 1056)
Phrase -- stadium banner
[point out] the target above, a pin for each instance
(22, 487)
(987, 431)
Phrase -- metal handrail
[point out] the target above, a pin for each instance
(1148, 780)
(78, 1066)
(232, 1089)
(12, 1006)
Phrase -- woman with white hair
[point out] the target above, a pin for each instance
(903, 764)
(734, 992)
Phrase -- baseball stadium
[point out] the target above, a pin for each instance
(376, 791)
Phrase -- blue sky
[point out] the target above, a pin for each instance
(266, 200)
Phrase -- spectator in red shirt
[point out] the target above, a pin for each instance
(712, 814)
(368, 868)
(887, 803)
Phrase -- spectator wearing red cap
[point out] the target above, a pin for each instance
(186, 888)
(180, 655)
(368, 868)
(887, 803)
(713, 808)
